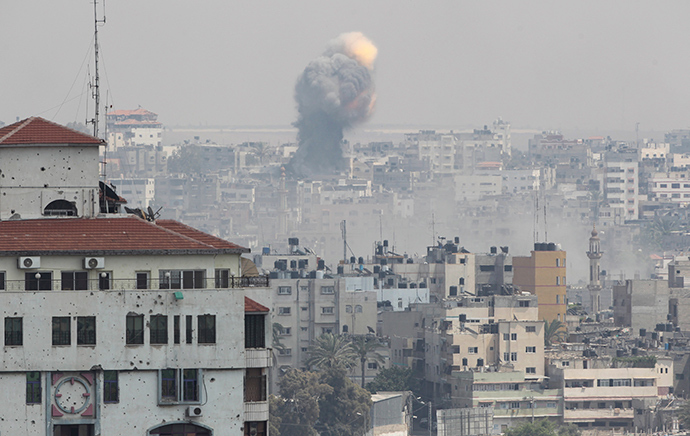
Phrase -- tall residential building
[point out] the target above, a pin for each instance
(621, 187)
(543, 274)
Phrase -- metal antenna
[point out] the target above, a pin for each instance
(97, 80)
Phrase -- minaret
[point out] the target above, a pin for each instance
(594, 286)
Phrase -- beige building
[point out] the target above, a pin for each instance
(543, 274)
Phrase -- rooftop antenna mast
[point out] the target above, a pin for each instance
(97, 80)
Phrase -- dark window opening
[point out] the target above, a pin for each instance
(38, 281)
(254, 385)
(104, 281)
(13, 331)
(135, 330)
(61, 330)
(222, 278)
(75, 280)
(60, 208)
(176, 329)
(33, 387)
(158, 329)
(111, 389)
(86, 330)
(207, 329)
(177, 279)
(142, 280)
(254, 331)
(189, 329)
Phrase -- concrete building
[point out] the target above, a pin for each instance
(544, 275)
(621, 186)
(140, 193)
(113, 324)
(131, 128)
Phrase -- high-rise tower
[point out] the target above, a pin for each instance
(594, 286)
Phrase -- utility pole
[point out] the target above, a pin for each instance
(431, 418)
(343, 228)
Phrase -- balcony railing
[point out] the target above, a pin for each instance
(105, 284)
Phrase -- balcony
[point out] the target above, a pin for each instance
(258, 357)
(108, 284)
(592, 414)
(256, 411)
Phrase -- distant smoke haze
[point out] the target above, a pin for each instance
(335, 92)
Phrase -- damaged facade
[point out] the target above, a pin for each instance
(113, 324)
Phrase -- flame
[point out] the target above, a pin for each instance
(360, 48)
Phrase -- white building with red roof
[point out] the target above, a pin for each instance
(136, 127)
(113, 324)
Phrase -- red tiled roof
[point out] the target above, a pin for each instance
(252, 306)
(198, 235)
(36, 130)
(92, 236)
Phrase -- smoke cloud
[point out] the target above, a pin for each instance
(335, 92)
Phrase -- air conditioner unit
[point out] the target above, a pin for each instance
(94, 262)
(194, 411)
(29, 262)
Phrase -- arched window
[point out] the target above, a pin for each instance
(358, 309)
(345, 328)
(348, 309)
(181, 429)
(60, 208)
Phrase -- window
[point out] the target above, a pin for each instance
(104, 281)
(176, 329)
(530, 349)
(328, 289)
(2, 280)
(530, 329)
(675, 185)
(284, 290)
(523, 303)
(513, 357)
(38, 281)
(254, 385)
(358, 309)
(285, 352)
(13, 331)
(506, 357)
(487, 268)
(507, 268)
(348, 308)
(178, 279)
(287, 331)
(188, 329)
(327, 310)
(514, 405)
(61, 330)
(473, 350)
(158, 329)
(283, 311)
(372, 365)
(207, 329)
(86, 330)
(134, 330)
(558, 297)
(142, 280)
(558, 281)
(254, 331)
(33, 387)
(558, 262)
(222, 278)
(111, 389)
(326, 330)
(531, 370)
(179, 386)
(75, 280)
(565, 363)
(506, 336)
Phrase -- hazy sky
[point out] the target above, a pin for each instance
(546, 64)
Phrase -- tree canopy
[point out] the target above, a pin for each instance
(543, 428)
(554, 331)
(365, 348)
(331, 351)
(395, 378)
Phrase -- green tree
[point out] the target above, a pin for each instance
(395, 378)
(365, 347)
(331, 351)
(274, 417)
(543, 428)
(298, 407)
(260, 150)
(344, 411)
(554, 331)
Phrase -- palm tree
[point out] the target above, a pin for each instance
(261, 150)
(365, 348)
(553, 332)
(331, 351)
